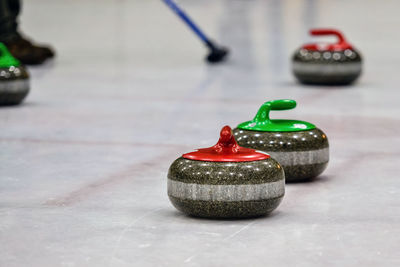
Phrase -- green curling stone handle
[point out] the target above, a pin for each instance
(262, 121)
(6, 59)
(282, 104)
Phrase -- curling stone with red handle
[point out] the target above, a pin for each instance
(226, 181)
(301, 148)
(327, 64)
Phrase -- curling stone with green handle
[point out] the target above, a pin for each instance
(226, 181)
(300, 147)
(14, 79)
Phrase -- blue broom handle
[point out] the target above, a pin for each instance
(188, 21)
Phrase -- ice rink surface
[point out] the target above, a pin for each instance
(83, 162)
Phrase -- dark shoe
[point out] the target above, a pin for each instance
(27, 52)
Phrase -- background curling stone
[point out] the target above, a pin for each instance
(300, 147)
(226, 181)
(327, 64)
(14, 79)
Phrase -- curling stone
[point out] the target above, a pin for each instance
(226, 181)
(327, 64)
(14, 79)
(300, 147)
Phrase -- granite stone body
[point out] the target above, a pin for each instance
(226, 189)
(326, 67)
(302, 154)
(14, 85)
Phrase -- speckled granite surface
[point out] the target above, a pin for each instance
(303, 155)
(13, 73)
(214, 173)
(327, 67)
(221, 209)
(225, 189)
(14, 85)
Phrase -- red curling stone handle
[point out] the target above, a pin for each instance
(226, 150)
(323, 32)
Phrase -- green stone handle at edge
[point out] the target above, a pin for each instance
(282, 104)
(6, 58)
